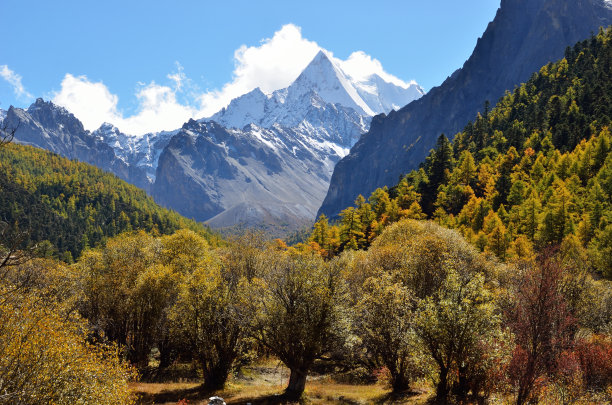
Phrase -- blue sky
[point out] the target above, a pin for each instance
(122, 57)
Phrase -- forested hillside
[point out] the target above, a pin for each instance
(534, 171)
(74, 205)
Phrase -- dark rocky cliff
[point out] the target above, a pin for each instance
(524, 36)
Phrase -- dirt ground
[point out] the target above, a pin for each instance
(264, 382)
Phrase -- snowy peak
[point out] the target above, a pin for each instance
(112, 136)
(382, 96)
(329, 81)
(243, 110)
(141, 152)
(108, 130)
(321, 87)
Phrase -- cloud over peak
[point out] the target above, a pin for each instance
(271, 65)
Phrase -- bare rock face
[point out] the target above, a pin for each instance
(524, 36)
(251, 177)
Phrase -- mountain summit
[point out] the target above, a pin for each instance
(524, 36)
(322, 82)
(330, 83)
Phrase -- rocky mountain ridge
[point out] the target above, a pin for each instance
(51, 127)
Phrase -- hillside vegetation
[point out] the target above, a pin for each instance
(534, 171)
(74, 205)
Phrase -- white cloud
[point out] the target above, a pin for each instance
(360, 65)
(14, 80)
(91, 102)
(94, 104)
(273, 64)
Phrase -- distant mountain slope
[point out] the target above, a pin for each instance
(524, 35)
(48, 126)
(74, 205)
(254, 177)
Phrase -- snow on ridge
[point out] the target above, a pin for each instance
(323, 82)
(323, 75)
(325, 110)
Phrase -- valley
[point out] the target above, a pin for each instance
(315, 230)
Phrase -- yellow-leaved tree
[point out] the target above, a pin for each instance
(45, 357)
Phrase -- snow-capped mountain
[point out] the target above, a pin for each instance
(265, 160)
(383, 97)
(273, 154)
(328, 107)
(138, 151)
(325, 78)
(324, 104)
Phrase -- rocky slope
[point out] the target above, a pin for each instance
(141, 152)
(253, 177)
(525, 35)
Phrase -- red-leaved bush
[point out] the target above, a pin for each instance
(595, 358)
(542, 326)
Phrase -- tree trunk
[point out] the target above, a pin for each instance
(525, 385)
(297, 383)
(442, 389)
(165, 354)
(215, 378)
(400, 383)
(522, 396)
(462, 388)
(214, 382)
